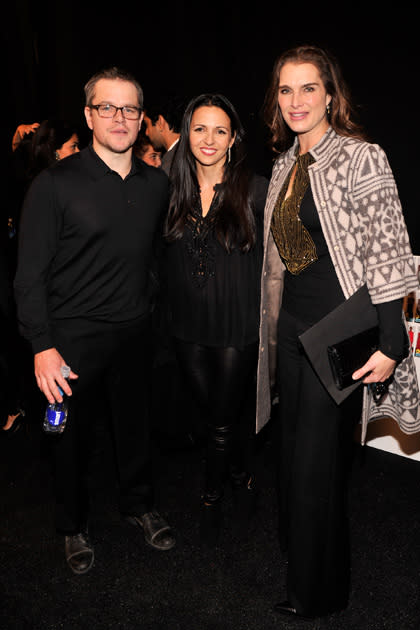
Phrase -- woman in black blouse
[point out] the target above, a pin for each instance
(213, 264)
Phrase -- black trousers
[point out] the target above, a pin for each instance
(114, 366)
(222, 380)
(316, 438)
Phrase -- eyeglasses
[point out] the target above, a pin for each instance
(105, 110)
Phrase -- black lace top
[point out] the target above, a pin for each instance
(213, 296)
(200, 246)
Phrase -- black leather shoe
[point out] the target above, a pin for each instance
(245, 497)
(79, 553)
(210, 521)
(245, 505)
(285, 608)
(157, 532)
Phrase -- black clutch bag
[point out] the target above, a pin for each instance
(352, 318)
(350, 354)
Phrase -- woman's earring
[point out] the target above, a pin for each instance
(228, 155)
(56, 155)
(328, 109)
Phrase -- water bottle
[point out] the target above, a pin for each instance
(56, 413)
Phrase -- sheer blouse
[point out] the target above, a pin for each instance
(213, 296)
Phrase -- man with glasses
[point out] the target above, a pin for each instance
(83, 288)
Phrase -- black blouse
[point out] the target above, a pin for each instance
(315, 291)
(213, 296)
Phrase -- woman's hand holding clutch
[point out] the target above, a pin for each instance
(377, 370)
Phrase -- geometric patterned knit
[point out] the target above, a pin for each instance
(362, 221)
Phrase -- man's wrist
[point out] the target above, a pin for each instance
(41, 343)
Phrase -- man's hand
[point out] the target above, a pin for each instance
(378, 369)
(48, 375)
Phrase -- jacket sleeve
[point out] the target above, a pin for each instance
(38, 242)
(388, 259)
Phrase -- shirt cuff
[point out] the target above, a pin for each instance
(41, 343)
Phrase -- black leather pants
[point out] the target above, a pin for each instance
(223, 382)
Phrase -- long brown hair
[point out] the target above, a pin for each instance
(234, 217)
(342, 115)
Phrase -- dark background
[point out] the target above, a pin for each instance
(52, 49)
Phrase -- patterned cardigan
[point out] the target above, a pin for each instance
(360, 213)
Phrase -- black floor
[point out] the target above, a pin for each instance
(190, 588)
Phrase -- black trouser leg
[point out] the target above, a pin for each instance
(220, 379)
(112, 364)
(128, 382)
(316, 442)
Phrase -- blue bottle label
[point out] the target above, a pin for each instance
(55, 417)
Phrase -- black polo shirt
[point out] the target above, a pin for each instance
(86, 244)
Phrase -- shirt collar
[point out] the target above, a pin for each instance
(99, 168)
(172, 145)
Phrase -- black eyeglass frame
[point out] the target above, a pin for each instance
(114, 107)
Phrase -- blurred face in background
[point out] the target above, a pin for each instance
(69, 147)
(154, 132)
(152, 157)
(148, 154)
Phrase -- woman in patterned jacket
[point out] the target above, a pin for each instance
(333, 222)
